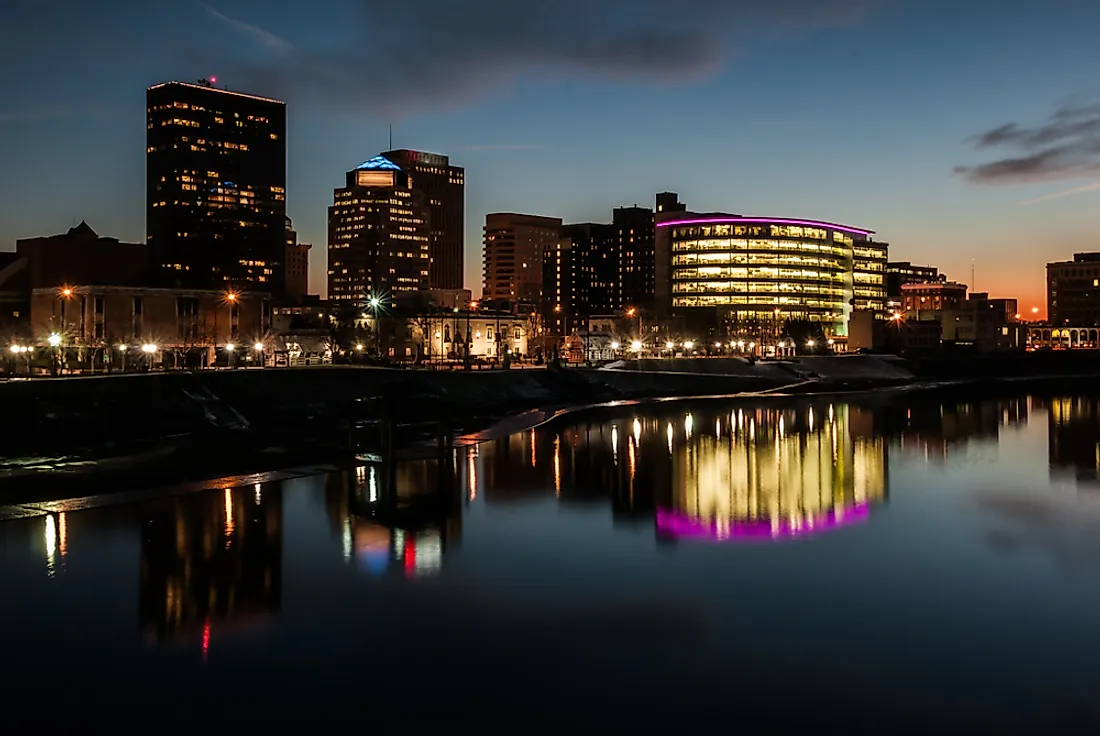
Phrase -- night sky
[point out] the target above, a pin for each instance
(962, 131)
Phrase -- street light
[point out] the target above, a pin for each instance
(148, 348)
(636, 346)
(615, 345)
(229, 347)
(15, 349)
(688, 345)
(258, 347)
(809, 343)
(54, 340)
(669, 345)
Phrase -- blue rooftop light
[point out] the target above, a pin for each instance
(378, 163)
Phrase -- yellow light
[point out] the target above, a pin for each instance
(15, 349)
(689, 344)
(66, 292)
(54, 340)
(259, 346)
(359, 347)
(636, 346)
(230, 347)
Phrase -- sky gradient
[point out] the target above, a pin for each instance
(964, 133)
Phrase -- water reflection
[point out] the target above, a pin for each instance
(1073, 438)
(756, 472)
(210, 560)
(397, 520)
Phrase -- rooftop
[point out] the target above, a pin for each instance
(211, 88)
(710, 219)
(378, 163)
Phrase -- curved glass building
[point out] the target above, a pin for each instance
(761, 268)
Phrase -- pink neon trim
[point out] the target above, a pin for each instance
(768, 221)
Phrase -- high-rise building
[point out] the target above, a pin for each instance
(378, 235)
(767, 270)
(559, 292)
(1073, 291)
(632, 251)
(444, 188)
(595, 267)
(216, 185)
(295, 264)
(514, 245)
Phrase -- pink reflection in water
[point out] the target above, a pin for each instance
(677, 524)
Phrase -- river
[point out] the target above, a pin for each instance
(915, 562)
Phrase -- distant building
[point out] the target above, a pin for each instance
(513, 249)
(378, 235)
(899, 273)
(82, 256)
(216, 186)
(1073, 291)
(560, 306)
(727, 269)
(193, 326)
(1071, 337)
(444, 190)
(295, 265)
(632, 254)
(931, 297)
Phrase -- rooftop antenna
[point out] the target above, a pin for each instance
(391, 138)
(973, 284)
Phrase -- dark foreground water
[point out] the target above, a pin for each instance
(734, 567)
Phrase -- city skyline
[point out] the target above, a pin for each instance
(975, 146)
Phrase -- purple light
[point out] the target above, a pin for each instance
(767, 221)
(677, 525)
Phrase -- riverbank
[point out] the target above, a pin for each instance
(78, 436)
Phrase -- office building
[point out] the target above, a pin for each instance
(513, 249)
(216, 186)
(444, 189)
(1073, 291)
(378, 235)
(899, 273)
(295, 265)
(931, 297)
(729, 269)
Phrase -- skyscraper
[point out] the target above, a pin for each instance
(378, 234)
(444, 188)
(216, 186)
(514, 245)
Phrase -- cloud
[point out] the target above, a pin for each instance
(260, 35)
(1066, 146)
(505, 147)
(397, 58)
(1095, 186)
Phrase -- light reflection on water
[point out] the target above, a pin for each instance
(916, 533)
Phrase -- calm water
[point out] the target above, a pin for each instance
(811, 565)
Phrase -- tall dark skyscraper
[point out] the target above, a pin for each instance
(378, 236)
(216, 186)
(444, 188)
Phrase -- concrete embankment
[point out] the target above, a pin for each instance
(297, 414)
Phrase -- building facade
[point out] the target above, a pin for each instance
(378, 235)
(559, 307)
(931, 297)
(513, 250)
(764, 270)
(899, 273)
(444, 189)
(216, 186)
(295, 265)
(1073, 291)
(196, 322)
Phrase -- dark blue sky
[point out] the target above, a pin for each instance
(869, 112)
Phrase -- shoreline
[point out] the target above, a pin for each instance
(235, 455)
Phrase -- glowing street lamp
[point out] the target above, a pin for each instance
(636, 346)
(615, 345)
(809, 343)
(54, 340)
(15, 349)
(688, 345)
(148, 348)
(669, 345)
(258, 347)
(230, 347)
(359, 347)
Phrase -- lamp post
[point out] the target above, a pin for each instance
(55, 342)
(150, 350)
(259, 348)
(230, 349)
(375, 303)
